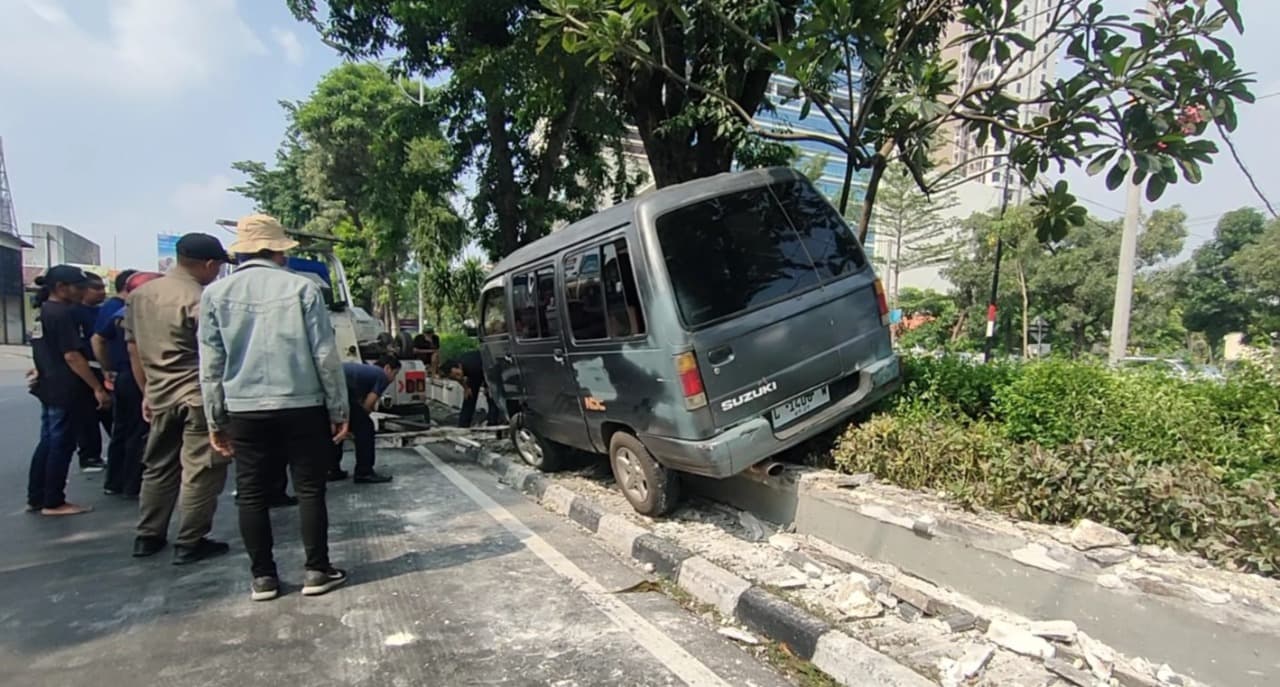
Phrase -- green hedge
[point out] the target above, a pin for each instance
(1192, 464)
(453, 344)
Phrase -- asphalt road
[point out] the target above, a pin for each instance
(455, 580)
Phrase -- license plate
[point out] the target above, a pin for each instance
(800, 406)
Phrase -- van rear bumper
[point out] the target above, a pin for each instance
(738, 448)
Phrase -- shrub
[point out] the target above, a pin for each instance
(954, 384)
(1186, 505)
(453, 345)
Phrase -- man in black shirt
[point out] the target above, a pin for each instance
(426, 347)
(86, 417)
(468, 369)
(62, 374)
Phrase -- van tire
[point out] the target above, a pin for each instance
(537, 452)
(648, 486)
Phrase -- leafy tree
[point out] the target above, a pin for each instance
(912, 228)
(1137, 93)
(1258, 267)
(1215, 299)
(533, 125)
(1071, 283)
(363, 163)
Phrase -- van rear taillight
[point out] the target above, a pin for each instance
(883, 302)
(695, 396)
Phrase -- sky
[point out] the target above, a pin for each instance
(120, 118)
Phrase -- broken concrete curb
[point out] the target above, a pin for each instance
(847, 660)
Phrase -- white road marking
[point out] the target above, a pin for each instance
(680, 662)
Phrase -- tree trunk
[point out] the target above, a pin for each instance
(961, 320)
(1026, 305)
(873, 184)
(506, 199)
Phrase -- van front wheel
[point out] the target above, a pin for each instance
(650, 488)
(540, 454)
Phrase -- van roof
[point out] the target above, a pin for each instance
(653, 203)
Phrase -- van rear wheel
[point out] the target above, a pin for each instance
(538, 453)
(649, 487)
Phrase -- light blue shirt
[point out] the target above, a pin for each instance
(266, 343)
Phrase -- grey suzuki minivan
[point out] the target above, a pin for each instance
(701, 328)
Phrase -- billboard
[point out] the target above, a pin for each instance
(166, 251)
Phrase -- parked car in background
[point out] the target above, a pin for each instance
(701, 329)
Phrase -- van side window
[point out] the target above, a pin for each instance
(493, 312)
(622, 303)
(601, 295)
(533, 299)
(833, 247)
(524, 306)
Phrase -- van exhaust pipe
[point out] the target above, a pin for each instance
(771, 468)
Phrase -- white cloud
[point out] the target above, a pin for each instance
(151, 46)
(289, 44)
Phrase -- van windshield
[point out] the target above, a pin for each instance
(739, 251)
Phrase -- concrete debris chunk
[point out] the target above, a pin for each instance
(784, 542)
(739, 635)
(960, 621)
(813, 570)
(1110, 581)
(854, 600)
(1166, 676)
(855, 480)
(1088, 534)
(975, 659)
(1060, 630)
(909, 613)
(755, 530)
(1018, 640)
(1069, 672)
(1099, 656)
(949, 670)
(786, 577)
(887, 600)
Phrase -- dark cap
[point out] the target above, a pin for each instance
(199, 246)
(64, 274)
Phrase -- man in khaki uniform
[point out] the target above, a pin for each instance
(178, 461)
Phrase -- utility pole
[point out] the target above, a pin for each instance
(995, 273)
(1124, 277)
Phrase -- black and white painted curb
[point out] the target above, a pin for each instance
(844, 658)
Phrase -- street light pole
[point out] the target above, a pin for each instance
(995, 274)
(1124, 276)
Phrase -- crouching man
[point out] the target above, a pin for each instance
(365, 384)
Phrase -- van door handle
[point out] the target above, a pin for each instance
(558, 355)
(720, 356)
(508, 359)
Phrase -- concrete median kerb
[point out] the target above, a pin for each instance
(845, 659)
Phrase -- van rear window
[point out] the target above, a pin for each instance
(740, 251)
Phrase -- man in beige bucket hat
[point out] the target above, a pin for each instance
(273, 392)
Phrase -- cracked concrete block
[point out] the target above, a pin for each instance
(975, 659)
(558, 499)
(851, 662)
(1019, 640)
(1107, 557)
(1088, 534)
(619, 533)
(1037, 556)
(1069, 672)
(1060, 630)
(711, 584)
(911, 595)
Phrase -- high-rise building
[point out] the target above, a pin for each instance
(1032, 69)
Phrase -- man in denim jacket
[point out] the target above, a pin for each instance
(273, 391)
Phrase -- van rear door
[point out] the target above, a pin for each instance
(761, 316)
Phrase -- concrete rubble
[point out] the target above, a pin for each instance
(739, 635)
(938, 633)
(1088, 534)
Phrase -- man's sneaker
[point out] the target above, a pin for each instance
(92, 466)
(264, 588)
(147, 546)
(371, 477)
(317, 582)
(111, 491)
(205, 548)
(337, 475)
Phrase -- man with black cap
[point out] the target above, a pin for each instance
(86, 418)
(62, 374)
(179, 463)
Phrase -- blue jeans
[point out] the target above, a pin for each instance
(47, 481)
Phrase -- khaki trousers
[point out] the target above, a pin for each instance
(180, 466)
